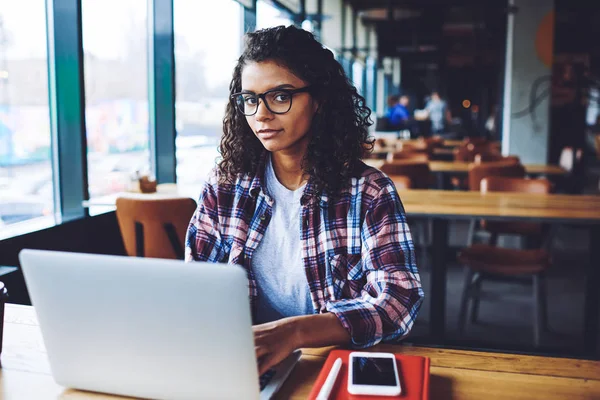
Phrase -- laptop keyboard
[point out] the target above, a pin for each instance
(266, 378)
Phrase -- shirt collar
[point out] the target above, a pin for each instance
(258, 184)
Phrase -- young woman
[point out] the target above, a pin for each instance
(323, 237)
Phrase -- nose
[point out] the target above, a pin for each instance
(262, 112)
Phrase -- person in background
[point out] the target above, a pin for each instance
(322, 236)
(392, 101)
(399, 115)
(437, 112)
(490, 124)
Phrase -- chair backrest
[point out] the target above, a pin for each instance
(418, 172)
(402, 182)
(479, 171)
(521, 185)
(476, 140)
(467, 152)
(408, 155)
(153, 227)
(435, 141)
(382, 124)
(492, 157)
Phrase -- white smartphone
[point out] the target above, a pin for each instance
(375, 374)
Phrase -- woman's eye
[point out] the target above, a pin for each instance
(281, 97)
(250, 100)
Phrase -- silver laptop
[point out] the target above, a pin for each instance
(148, 328)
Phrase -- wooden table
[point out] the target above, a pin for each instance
(455, 374)
(457, 167)
(461, 167)
(443, 206)
(163, 191)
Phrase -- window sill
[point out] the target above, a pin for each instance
(25, 227)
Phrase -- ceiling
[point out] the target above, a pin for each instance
(457, 30)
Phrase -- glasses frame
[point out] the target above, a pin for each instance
(262, 96)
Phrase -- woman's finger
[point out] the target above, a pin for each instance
(261, 351)
(271, 360)
(266, 364)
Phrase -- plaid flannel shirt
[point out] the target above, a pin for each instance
(357, 251)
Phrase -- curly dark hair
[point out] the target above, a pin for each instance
(339, 128)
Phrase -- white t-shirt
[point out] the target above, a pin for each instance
(277, 261)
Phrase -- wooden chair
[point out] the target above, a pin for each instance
(420, 178)
(531, 230)
(494, 157)
(403, 155)
(476, 140)
(154, 227)
(479, 171)
(468, 151)
(402, 182)
(421, 145)
(484, 261)
(414, 147)
(418, 172)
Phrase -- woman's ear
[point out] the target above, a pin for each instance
(316, 105)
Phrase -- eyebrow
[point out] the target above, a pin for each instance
(284, 86)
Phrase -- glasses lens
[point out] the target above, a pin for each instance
(246, 103)
(280, 101)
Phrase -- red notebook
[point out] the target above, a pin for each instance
(413, 371)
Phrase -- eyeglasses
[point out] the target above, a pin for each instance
(278, 101)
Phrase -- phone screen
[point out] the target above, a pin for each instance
(375, 371)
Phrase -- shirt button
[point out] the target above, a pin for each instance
(262, 217)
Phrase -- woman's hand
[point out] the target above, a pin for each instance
(274, 341)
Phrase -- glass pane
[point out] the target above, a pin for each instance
(358, 76)
(203, 72)
(268, 16)
(26, 188)
(116, 93)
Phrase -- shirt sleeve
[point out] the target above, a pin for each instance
(398, 115)
(392, 296)
(203, 240)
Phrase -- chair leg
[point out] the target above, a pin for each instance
(493, 239)
(471, 234)
(462, 316)
(538, 319)
(429, 231)
(476, 288)
(423, 234)
(544, 302)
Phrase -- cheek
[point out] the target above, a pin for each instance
(301, 120)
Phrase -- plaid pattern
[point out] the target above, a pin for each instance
(357, 250)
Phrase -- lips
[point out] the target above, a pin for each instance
(268, 133)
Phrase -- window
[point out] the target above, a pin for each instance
(358, 71)
(268, 15)
(116, 92)
(204, 67)
(26, 188)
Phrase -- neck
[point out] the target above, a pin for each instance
(288, 169)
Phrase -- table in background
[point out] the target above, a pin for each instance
(455, 374)
(443, 205)
(163, 191)
(462, 167)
